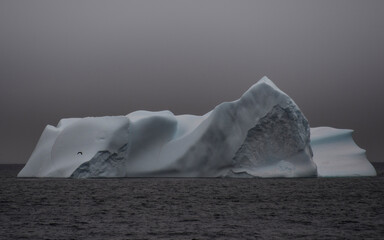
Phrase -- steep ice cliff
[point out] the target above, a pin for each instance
(337, 155)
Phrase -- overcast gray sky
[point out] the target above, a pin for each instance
(61, 59)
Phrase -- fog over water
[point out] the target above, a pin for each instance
(62, 59)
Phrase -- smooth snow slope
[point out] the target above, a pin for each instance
(263, 134)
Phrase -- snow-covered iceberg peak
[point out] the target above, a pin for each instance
(262, 134)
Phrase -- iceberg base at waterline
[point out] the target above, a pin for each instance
(262, 134)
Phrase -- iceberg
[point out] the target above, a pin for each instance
(262, 134)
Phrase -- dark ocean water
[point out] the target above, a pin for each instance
(153, 208)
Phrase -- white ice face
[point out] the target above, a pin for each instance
(337, 155)
(62, 149)
(262, 134)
